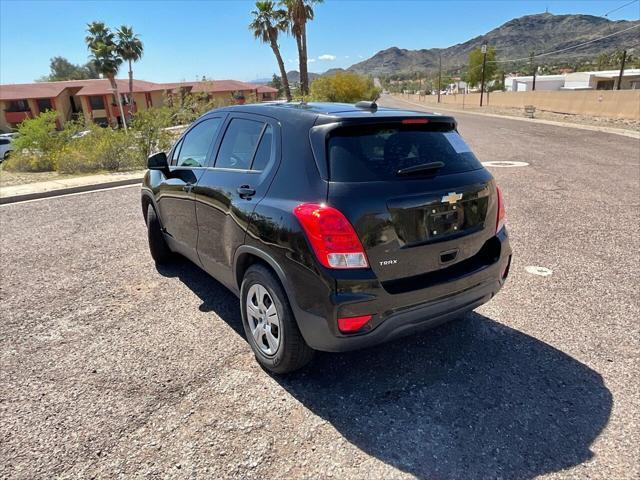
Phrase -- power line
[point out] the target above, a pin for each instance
(574, 46)
(563, 49)
(619, 8)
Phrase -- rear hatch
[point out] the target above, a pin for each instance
(418, 198)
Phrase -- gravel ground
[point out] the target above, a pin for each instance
(111, 368)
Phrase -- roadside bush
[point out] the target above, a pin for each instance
(343, 87)
(102, 149)
(187, 107)
(149, 128)
(41, 147)
(26, 161)
(37, 146)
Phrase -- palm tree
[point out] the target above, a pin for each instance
(267, 23)
(105, 58)
(130, 49)
(299, 12)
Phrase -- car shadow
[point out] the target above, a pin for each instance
(470, 399)
(215, 297)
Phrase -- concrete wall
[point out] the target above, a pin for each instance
(157, 99)
(601, 103)
(63, 106)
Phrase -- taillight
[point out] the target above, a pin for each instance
(332, 237)
(352, 324)
(414, 121)
(502, 216)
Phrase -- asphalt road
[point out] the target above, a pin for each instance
(110, 367)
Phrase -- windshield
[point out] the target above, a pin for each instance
(369, 154)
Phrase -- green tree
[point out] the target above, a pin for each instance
(474, 72)
(62, 69)
(130, 49)
(300, 12)
(267, 23)
(105, 58)
(276, 83)
(343, 87)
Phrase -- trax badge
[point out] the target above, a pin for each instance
(452, 198)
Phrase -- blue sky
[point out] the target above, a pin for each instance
(185, 40)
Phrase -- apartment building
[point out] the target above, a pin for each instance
(95, 99)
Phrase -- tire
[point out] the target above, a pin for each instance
(158, 247)
(291, 352)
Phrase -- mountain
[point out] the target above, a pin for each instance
(515, 39)
(294, 76)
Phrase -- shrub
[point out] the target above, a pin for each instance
(102, 149)
(28, 161)
(343, 87)
(37, 146)
(149, 131)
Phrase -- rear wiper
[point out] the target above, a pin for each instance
(422, 168)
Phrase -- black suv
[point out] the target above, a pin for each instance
(338, 226)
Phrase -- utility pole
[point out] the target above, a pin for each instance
(624, 58)
(439, 76)
(483, 49)
(533, 67)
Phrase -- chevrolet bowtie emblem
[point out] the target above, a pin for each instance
(452, 198)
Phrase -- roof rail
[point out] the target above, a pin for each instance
(365, 105)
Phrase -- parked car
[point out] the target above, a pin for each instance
(338, 226)
(80, 134)
(5, 146)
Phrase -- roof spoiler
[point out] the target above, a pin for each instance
(365, 105)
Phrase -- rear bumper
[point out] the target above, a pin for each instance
(398, 315)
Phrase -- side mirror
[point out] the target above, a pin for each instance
(158, 161)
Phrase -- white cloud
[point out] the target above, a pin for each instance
(346, 56)
(327, 57)
(311, 60)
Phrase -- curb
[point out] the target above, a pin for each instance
(67, 190)
(593, 128)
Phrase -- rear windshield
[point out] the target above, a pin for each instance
(369, 154)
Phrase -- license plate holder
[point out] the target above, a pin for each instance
(443, 223)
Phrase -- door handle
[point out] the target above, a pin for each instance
(188, 187)
(245, 191)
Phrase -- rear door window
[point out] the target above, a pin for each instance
(239, 144)
(369, 154)
(265, 150)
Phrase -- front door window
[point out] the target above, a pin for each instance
(196, 144)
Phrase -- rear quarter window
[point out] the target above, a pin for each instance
(368, 154)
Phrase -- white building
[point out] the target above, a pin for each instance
(525, 84)
(601, 80)
(459, 86)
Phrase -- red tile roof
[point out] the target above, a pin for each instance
(266, 89)
(221, 86)
(97, 86)
(103, 87)
(34, 90)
